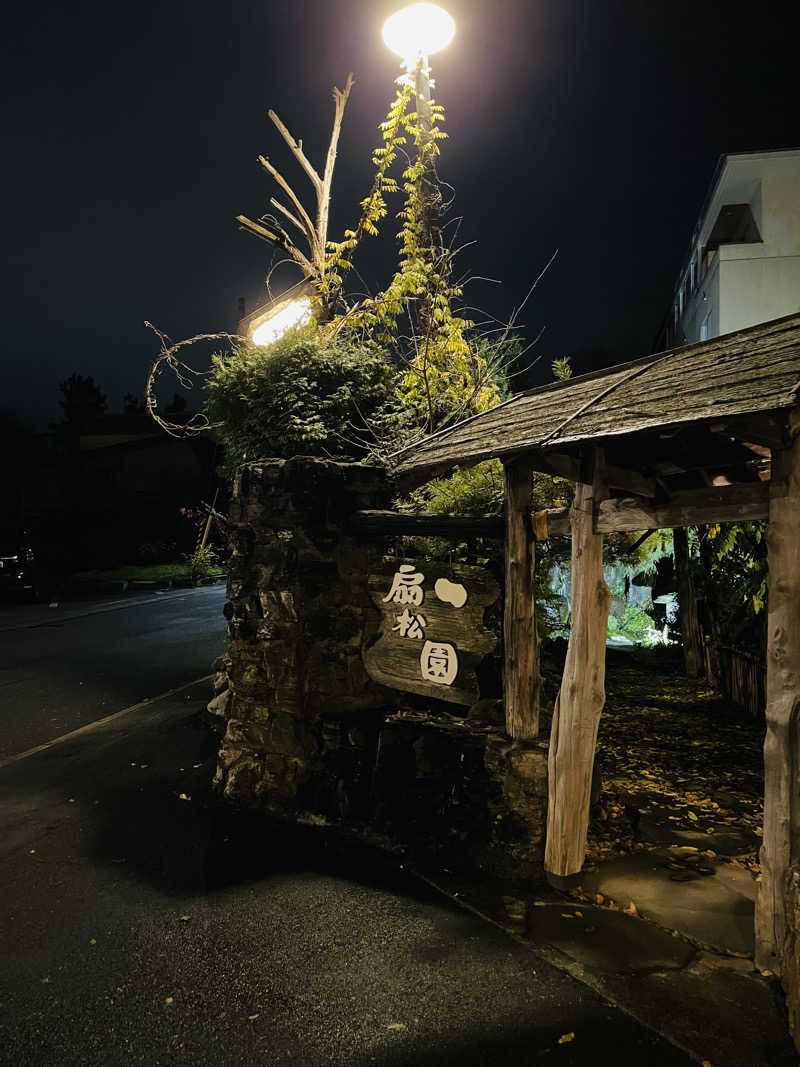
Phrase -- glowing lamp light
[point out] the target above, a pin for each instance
(295, 313)
(418, 30)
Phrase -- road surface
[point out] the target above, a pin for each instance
(143, 924)
(63, 667)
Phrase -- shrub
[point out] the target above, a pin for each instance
(308, 393)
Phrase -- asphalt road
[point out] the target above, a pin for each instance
(66, 666)
(144, 923)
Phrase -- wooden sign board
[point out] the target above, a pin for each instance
(432, 634)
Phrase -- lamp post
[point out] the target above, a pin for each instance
(415, 33)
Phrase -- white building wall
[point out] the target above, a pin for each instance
(756, 290)
(743, 284)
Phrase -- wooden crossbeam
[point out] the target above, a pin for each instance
(693, 507)
(564, 466)
(427, 524)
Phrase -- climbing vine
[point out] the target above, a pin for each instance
(444, 376)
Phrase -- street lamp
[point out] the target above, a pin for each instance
(415, 33)
(418, 31)
(273, 319)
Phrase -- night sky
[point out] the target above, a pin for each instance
(132, 131)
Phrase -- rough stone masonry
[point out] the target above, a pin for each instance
(307, 730)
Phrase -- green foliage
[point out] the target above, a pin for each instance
(635, 623)
(446, 377)
(339, 258)
(201, 562)
(730, 571)
(308, 393)
(562, 369)
(473, 491)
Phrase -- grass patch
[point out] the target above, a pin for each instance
(155, 572)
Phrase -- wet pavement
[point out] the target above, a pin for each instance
(65, 666)
(145, 924)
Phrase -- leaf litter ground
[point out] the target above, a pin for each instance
(679, 765)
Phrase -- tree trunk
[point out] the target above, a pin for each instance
(687, 599)
(521, 678)
(581, 698)
(777, 940)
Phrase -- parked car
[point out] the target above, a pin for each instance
(18, 568)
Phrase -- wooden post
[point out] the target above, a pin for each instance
(522, 682)
(690, 625)
(580, 701)
(776, 940)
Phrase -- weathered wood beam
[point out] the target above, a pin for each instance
(556, 464)
(766, 430)
(580, 701)
(776, 936)
(693, 507)
(564, 466)
(522, 680)
(427, 524)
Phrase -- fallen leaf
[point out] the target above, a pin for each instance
(183, 796)
(599, 898)
(566, 1037)
(692, 816)
(169, 1000)
(252, 1017)
(631, 909)
(396, 1026)
(92, 940)
(184, 918)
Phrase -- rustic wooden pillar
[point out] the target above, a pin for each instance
(522, 681)
(776, 937)
(687, 599)
(582, 695)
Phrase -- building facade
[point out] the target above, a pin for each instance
(743, 262)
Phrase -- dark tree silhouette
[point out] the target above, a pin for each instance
(82, 403)
(133, 405)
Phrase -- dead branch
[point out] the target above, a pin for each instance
(315, 234)
(308, 226)
(340, 97)
(297, 151)
(186, 376)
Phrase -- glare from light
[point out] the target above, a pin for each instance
(295, 313)
(418, 31)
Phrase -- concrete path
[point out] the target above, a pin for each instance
(705, 899)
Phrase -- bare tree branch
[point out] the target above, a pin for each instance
(297, 151)
(340, 97)
(311, 235)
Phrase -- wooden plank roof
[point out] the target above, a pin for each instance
(753, 371)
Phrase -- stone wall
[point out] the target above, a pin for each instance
(298, 615)
(307, 731)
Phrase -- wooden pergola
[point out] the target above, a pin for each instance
(697, 435)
